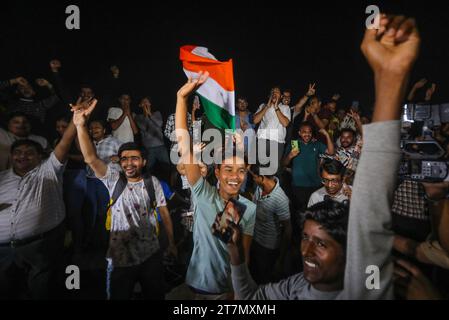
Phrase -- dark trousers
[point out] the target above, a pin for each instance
(26, 271)
(150, 275)
(262, 263)
(301, 196)
(75, 187)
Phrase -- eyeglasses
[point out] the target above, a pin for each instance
(124, 159)
(331, 181)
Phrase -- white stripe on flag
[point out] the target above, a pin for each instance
(215, 93)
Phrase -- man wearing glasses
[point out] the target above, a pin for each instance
(332, 172)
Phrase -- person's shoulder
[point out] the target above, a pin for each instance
(321, 192)
(250, 206)
(155, 181)
(4, 174)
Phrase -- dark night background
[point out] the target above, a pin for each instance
(285, 43)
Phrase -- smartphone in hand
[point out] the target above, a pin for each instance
(232, 213)
(295, 144)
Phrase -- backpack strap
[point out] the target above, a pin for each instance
(148, 181)
(118, 190)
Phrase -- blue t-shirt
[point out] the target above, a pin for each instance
(305, 166)
(209, 269)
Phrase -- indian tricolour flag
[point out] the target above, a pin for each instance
(217, 93)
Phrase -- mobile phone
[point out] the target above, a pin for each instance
(355, 105)
(233, 212)
(295, 144)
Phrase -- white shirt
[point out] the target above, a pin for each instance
(36, 201)
(6, 141)
(133, 226)
(124, 133)
(318, 196)
(270, 127)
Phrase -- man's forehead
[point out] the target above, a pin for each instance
(25, 147)
(316, 230)
(234, 162)
(331, 175)
(131, 153)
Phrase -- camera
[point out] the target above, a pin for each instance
(422, 154)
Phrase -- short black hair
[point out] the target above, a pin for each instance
(332, 166)
(333, 216)
(306, 124)
(348, 130)
(235, 153)
(27, 142)
(131, 146)
(16, 114)
(255, 169)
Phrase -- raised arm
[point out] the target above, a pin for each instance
(300, 104)
(87, 148)
(191, 167)
(281, 117)
(329, 143)
(63, 147)
(391, 52)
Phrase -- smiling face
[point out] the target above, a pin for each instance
(286, 98)
(231, 174)
(25, 158)
(346, 139)
(323, 258)
(305, 133)
(132, 163)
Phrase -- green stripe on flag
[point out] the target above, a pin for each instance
(218, 116)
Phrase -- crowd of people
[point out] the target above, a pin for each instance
(89, 181)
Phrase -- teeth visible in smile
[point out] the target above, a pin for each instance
(310, 264)
(232, 183)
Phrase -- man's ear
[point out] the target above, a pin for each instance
(217, 171)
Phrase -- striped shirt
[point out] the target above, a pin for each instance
(106, 148)
(271, 210)
(36, 203)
